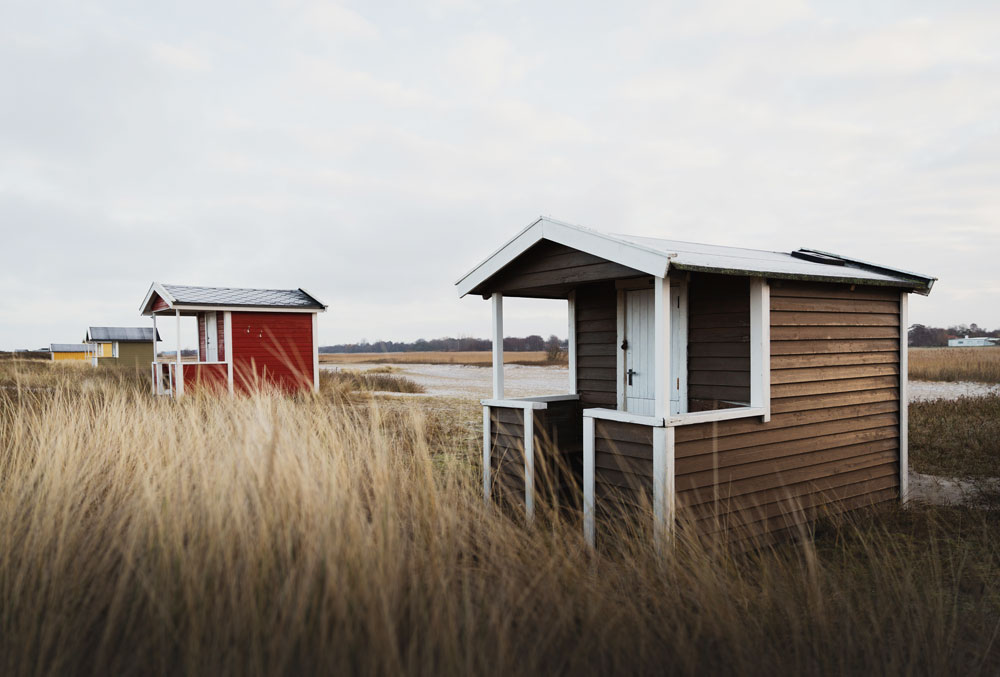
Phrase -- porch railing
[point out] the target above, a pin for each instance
(175, 379)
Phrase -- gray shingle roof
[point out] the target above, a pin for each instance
(228, 296)
(68, 347)
(121, 334)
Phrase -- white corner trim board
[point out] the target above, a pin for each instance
(904, 408)
(315, 342)
(760, 346)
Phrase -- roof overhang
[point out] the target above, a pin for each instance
(607, 247)
(157, 289)
(655, 257)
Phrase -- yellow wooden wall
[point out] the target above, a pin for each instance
(69, 356)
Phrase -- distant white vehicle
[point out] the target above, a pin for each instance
(972, 342)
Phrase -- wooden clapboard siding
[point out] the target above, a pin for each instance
(272, 348)
(507, 454)
(159, 304)
(623, 463)
(558, 452)
(718, 341)
(832, 443)
(596, 342)
(548, 266)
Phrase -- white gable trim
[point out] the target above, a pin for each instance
(586, 240)
(147, 303)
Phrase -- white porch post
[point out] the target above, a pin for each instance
(529, 463)
(487, 449)
(588, 480)
(497, 346)
(904, 407)
(663, 484)
(571, 341)
(156, 381)
(227, 332)
(663, 438)
(180, 369)
(760, 346)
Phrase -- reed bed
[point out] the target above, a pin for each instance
(980, 365)
(269, 535)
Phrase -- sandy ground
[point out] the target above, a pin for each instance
(948, 490)
(452, 380)
(920, 391)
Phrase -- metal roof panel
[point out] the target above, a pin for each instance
(124, 334)
(68, 347)
(230, 296)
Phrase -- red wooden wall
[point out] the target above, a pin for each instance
(273, 348)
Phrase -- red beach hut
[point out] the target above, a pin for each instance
(247, 338)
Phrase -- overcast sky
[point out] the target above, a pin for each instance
(374, 152)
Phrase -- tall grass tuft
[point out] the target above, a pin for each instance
(372, 380)
(266, 535)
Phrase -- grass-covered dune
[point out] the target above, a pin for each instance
(340, 534)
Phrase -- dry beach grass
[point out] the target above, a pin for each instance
(339, 533)
(980, 365)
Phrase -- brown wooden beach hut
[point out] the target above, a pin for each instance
(739, 389)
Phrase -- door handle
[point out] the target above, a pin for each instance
(631, 373)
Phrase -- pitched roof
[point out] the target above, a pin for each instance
(68, 347)
(655, 256)
(180, 296)
(121, 334)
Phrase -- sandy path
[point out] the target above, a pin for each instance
(453, 380)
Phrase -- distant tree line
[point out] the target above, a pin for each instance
(450, 345)
(922, 336)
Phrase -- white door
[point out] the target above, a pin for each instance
(211, 338)
(640, 385)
